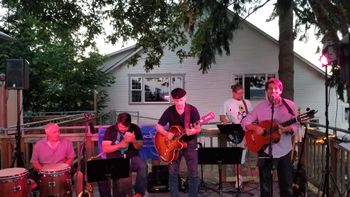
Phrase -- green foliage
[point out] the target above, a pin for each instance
(331, 19)
(49, 35)
(214, 34)
(53, 36)
(156, 24)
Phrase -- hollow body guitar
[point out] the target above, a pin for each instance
(257, 142)
(168, 150)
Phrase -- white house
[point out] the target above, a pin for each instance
(254, 57)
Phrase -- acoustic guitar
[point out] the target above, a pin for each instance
(168, 150)
(257, 142)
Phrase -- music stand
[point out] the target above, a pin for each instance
(234, 132)
(219, 156)
(102, 169)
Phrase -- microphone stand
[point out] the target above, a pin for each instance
(270, 147)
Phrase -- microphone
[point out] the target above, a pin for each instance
(273, 98)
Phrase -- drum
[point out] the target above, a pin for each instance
(55, 180)
(13, 182)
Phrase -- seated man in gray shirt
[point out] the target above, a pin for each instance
(52, 150)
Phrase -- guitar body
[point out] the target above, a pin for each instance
(256, 142)
(168, 150)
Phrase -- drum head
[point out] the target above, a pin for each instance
(12, 172)
(58, 167)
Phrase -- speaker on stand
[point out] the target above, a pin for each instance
(17, 78)
(17, 74)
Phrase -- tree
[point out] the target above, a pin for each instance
(49, 36)
(332, 21)
(286, 46)
(206, 26)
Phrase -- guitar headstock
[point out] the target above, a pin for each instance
(306, 116)
(87, 116)
(206, 118)
(88, 119)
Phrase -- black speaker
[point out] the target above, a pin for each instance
(17, 74)
(158, 179)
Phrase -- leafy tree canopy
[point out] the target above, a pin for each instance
(53, 36)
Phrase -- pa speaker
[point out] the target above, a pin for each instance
(157, 180)
(17, 74)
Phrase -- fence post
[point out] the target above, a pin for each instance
(333, 166)
(5, 153)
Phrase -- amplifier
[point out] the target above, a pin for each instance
(158, 179)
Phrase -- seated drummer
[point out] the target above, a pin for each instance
(124, 139)
(52, 149)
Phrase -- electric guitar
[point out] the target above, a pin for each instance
(168, 150)
(257, 142)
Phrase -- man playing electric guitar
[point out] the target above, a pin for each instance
(182, 114)
(284, 110)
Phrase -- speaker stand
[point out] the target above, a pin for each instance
(18, 160)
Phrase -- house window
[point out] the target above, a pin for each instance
(148, 89)
(136, 89)
(253, 84)
(346, 114)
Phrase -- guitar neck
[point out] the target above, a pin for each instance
(289, 122)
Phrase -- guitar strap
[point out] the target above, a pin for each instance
(187, 116)
(245, 106)
(288, 107)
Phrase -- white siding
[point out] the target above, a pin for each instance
(251, 52)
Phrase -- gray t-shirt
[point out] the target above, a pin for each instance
(44, 154)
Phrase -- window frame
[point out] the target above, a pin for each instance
(143, 83)
(242, 81)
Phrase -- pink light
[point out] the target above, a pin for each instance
(324, 60)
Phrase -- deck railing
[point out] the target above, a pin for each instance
(339, 166)
(314, 152)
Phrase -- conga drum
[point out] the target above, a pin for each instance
(13, 182)
(55, 180)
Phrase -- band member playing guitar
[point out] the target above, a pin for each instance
(284, 110)
(182, 114)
